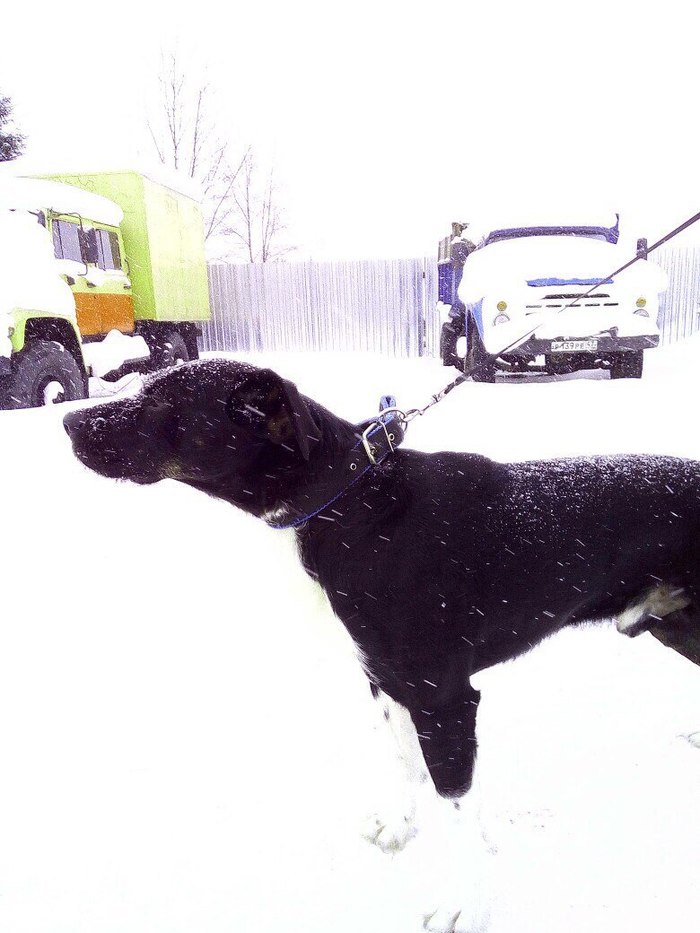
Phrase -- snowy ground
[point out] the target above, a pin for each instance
(159, 774)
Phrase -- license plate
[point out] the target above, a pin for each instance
(574, 346)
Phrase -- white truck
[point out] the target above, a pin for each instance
(538, 297)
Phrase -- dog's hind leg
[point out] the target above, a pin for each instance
(680, 631)
(653, 609)
(670, 614)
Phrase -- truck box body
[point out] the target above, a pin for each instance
(163, 241)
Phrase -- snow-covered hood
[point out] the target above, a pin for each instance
(543, 261)
(29, 279)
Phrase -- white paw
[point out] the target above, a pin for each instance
(444, 920)
(453, 919)
(391, 830)
(452, 863)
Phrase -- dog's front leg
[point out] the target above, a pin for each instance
(451, 853)
(435, 754)
(395, 824)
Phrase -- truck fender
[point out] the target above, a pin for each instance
(38, 326)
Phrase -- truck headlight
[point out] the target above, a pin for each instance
(641, 302)
(502, 305)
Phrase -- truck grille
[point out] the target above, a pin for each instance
(562, 300)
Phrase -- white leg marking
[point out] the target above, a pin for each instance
(455, 868)
(392, 827)
(658, 603)
(449, 858)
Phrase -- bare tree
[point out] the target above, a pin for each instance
(185, 138)
(257, 223)
(242, 214)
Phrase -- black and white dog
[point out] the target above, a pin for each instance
(439, 565)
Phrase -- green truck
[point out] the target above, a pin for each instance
(103, 274)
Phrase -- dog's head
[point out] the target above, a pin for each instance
(217, 425)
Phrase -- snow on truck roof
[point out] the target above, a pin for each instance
(37, 194)
(156, 172)
(513, 224)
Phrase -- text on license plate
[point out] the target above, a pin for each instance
(569, 346)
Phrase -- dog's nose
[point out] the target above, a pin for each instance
(73, 421)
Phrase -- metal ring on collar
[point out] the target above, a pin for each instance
(369, 449)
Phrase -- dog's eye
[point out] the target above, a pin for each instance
(243, 414)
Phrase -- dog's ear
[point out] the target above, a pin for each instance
(274, 404)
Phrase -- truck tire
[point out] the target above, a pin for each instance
(627, 365)
(449, 335)
(168, 348)
(477, 357)
(44, 373)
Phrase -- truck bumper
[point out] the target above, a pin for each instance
(606, 344)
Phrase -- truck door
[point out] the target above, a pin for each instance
(91, 259)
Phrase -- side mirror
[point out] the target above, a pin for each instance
(642, 248)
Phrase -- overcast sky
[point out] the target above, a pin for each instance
(387, 120)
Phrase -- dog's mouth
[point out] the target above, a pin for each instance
(115, 469)
(142, 479)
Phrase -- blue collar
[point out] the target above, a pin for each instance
(379, 438)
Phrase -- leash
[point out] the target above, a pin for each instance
(379, 437)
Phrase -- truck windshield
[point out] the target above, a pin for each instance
(108, 250)
(66, 241)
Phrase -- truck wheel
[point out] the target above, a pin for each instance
(477, 357)
(627, 365)
(449, 335)
(44, 373)
(167, 348)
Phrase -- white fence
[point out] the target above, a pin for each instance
(680, 304)
(383, 306)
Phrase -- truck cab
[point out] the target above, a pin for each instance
(125, 258)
